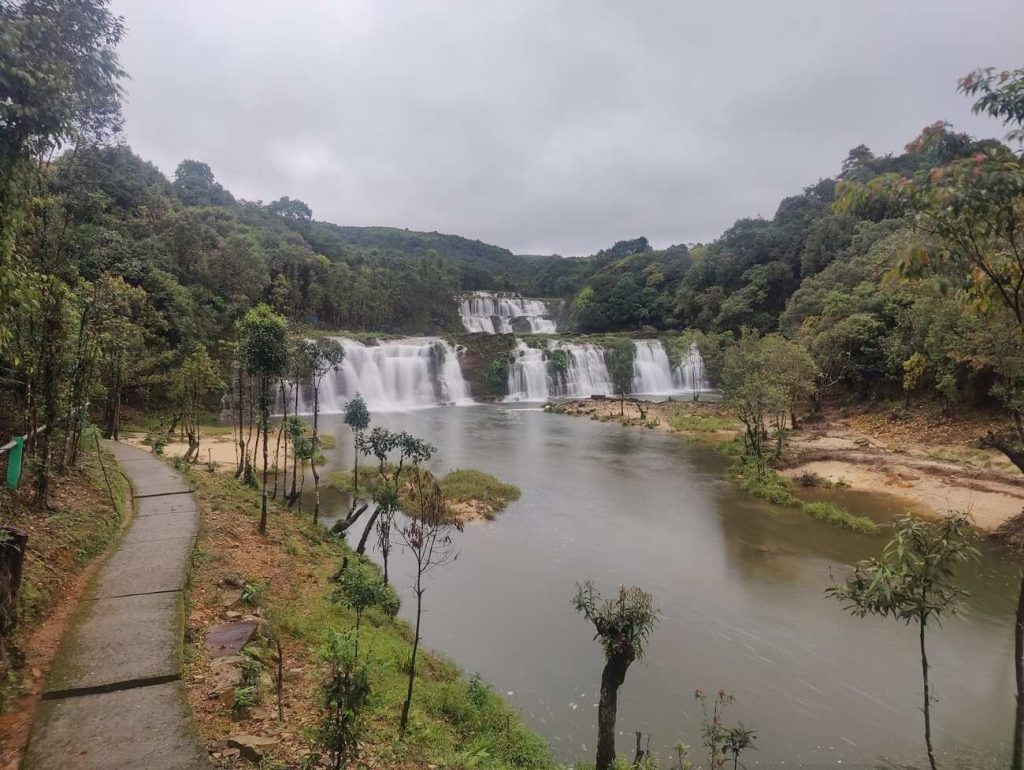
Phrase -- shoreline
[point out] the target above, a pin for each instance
(853, 452)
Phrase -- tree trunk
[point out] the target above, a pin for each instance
(316, 451)
(1014, 454)
(1018, 667)
(277, 446)
(355, 468)
(241, 429)
(44, 454)
(415, 648)
(12, 559)
(927, 697)
(612, 677)
(264, 426)
(295, 456)
(361, 549)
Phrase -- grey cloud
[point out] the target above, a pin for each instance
(547, 125)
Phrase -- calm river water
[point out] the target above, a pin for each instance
(739, 584)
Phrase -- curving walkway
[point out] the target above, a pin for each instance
(114, 697)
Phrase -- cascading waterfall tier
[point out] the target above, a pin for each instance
(558, 370)
(393, 375)
(578, 370)
(504, 314)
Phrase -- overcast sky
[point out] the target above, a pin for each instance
(547, 125)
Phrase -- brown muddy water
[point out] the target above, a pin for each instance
(739, 584)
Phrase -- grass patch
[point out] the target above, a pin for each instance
(62, 541)
(455, 722)
(480, 489)
(466, 490)
(685, 420)
(778, 490)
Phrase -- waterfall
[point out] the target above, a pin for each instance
(528, 374)
(652, 374)
(689, 375)
(587, 374)
(494, 314)
(533, 374)
(393, 375)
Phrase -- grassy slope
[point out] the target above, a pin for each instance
(455, 722)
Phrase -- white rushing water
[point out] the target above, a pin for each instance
(503, 314)
(393, 375)
(689, 375)
(535, 374)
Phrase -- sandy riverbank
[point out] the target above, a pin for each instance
(932, 463)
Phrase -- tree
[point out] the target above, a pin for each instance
(294, 210)
(263, 342)
(190, 384)
(913, 582)
(59, 76)
(1001, 96)
(195, 185)
(623, 627)
(719, 740)
(789, 365)
(361, 587)
(757, 398)
(974, 207)
(429, 534)
(381, 443)
(357, 418)
(343, 697)
(619, 360)
(323, 355)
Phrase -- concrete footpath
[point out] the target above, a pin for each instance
(114, 697)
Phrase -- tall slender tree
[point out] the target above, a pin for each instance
(357, 417)
(323, 355)
(262, 336)
(913, 582)
(429, 535)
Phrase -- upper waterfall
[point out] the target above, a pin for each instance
(482, 311)
(393, 375)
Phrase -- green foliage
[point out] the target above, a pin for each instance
(559, 359)
(263, 346)
(618, 357)
(719, 740)
(344, 697)
(496, 376)
(361, 587)
(913, 582)
(623, 625)
(357, 416)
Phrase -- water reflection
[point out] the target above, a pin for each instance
(739, 585)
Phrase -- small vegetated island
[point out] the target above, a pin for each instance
(855, 355)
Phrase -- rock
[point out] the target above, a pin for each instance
(231, 598)
(229, 638)
(232, 581)
(252, 747)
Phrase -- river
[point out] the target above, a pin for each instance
(739, 584)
